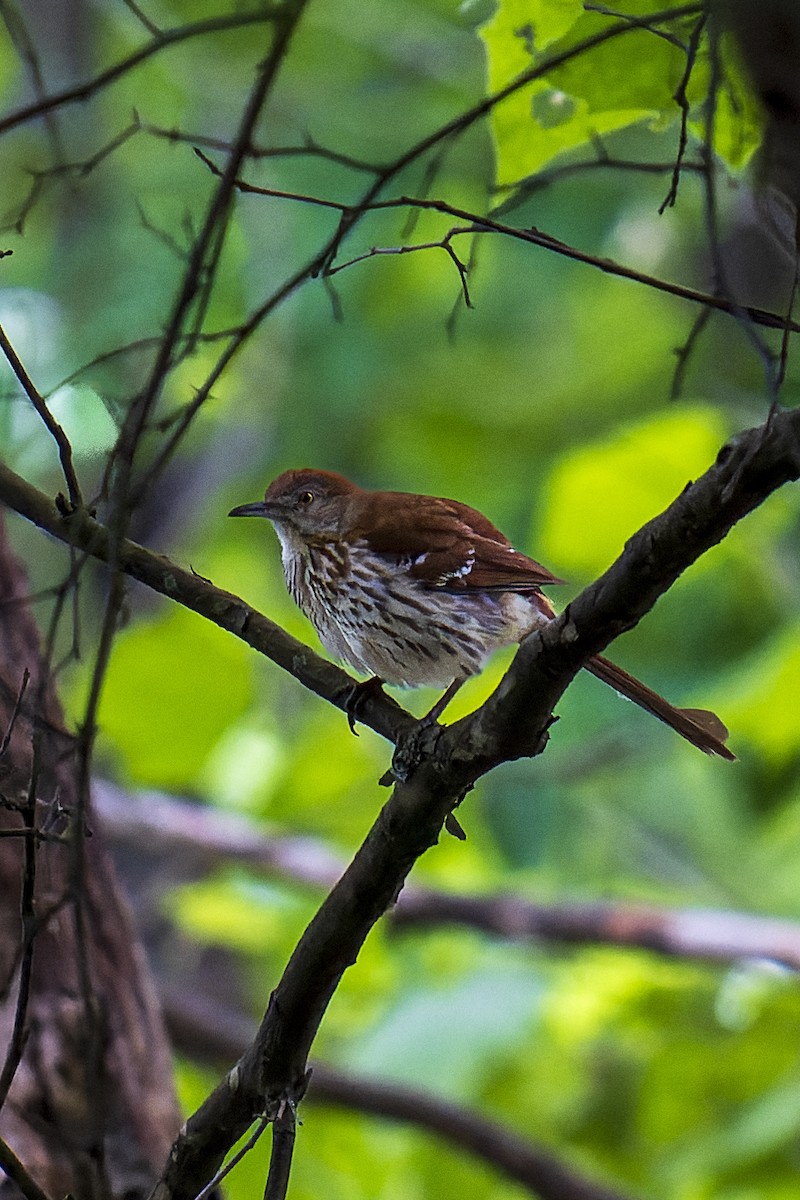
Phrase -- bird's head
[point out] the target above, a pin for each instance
(304, 503)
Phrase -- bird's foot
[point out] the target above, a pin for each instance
(410, 751)
(357, 697)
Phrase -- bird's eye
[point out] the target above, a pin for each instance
(305, 497)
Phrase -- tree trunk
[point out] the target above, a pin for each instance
(91, 1108)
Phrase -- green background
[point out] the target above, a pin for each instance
(547, 405)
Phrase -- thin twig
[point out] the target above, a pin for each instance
(165, 38)
(321, 263)
(683, 353)
(51, 424)
(15, 712)
(235, 1159)
(682, 100)
(280, 1163)
(149, 25)
(18, 1174)
(784, 355)
(27, 912)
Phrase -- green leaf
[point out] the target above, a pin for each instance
(606, 88)
(235, 911)
(601, 493)
(423, 1040)
(174, 686)
(763, 705)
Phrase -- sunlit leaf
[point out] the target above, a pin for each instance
(599, 494)
(175, 684)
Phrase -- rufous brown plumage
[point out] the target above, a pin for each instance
(419, 590)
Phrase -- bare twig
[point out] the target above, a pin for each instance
(51, 424)
(784, 354)
(684, 353)
(201, 1030)
(322, 262)
(261, 1125)
(16, 1172)
(164, 39)
(309, 149)
(15, 711)
(149, 25)
(280, 1163)
(682, 100)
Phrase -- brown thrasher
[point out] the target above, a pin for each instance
(420, 590)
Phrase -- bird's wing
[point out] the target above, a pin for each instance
(448, 545)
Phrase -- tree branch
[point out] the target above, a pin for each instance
(175, 828)
(81, 531)
(748, 468)
(511, 723)
(202, 1032)
(163, 39)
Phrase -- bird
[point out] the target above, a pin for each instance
(415, 590)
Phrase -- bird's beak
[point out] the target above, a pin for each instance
(258, 509)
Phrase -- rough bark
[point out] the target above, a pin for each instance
(91, 1109)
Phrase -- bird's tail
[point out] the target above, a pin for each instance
(700, 727)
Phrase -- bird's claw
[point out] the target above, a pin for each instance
(357, 697)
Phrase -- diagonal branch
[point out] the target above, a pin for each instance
(511, 723)
(748, 468)
(204, 1032)
(52, 425)
(163, 39)
(173, 828)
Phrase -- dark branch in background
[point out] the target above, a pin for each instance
(478, 224)
(164, 39)
(322, 262)
(714, 935)
(211, 838)
(204, 1032)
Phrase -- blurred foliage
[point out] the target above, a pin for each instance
(547, 406)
